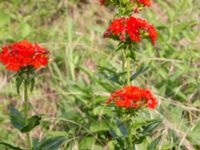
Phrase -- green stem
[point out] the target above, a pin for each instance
(128, 123)
(128, 71)
(28, 138)
(130, 142)
(131, 146)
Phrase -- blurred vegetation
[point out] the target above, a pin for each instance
(84, 68)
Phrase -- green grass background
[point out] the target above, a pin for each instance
(84, 68)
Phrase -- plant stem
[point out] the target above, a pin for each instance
(128, 123)
(128, 71)
(130, 142)
(129, 83)
(28, 138)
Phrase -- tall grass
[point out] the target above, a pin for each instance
(72, 92)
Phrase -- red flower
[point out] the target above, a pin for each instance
(102, 2)
(133, 97)
(145, 2)
(22, 54)
(136, 10)
(152, 33)
(117, 26)
(135, 28)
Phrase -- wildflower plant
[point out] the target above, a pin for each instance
(128, 30)
(24, 58)
(100, 99)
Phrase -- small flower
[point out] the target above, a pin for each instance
(102, 2)
(133, 97)
(117, 26)
(145, 2)
(136, 10)
(131, 29)
(152, 33)
(23, 54)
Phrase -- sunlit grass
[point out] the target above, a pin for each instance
(70, 89)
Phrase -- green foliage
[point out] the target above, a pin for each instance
(153, 145)
(19, 81)
(10, 145)
(122, 127)
(25, 75)
(150, 126)
(52, 143)
(18, 120)
(74, 88)
(31, 123)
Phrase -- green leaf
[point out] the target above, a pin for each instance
(153, 145)
(102, 110)
(10, 145)
(111, 145)
(146, 130)
(183, 25)
(140, 71)
(56, 133)
(150, 127)
(52, 143)
(17, 118)
(139, 139)
(168, 146)
(113, 133)
(32, 123)
(25, 30)
(122, 127)
(111, 74)
(36, 144)
(19, 81)
(97, 127)
(87, 143)
(32, 81)
(4, 19)
(193, 135)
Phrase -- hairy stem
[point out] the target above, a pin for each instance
(130, 142)
(28, 138)
(128, 71)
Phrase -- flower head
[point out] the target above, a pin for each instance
(116, 28)
(137, 2)
(145, 2)
(102, 2)
(133, 97)
(23, 54)
(131, 28)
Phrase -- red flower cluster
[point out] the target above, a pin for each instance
(133, 28)
(133, 97)
(23, 54)
(102, 2)
(145, 2)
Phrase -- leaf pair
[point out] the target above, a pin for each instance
(20, 80)
(48, 144)
(18, 120)
(26, 75)
(6, 144)
(118, 77)
(146, 130)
